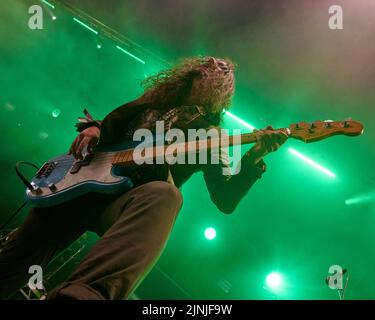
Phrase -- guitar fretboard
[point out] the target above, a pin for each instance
(126, 156)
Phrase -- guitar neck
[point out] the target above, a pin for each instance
(303, 131)
(126, 156)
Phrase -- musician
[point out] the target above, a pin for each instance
(134, 226)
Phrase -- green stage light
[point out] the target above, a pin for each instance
(210, 233)
(246, 124)
(131, 55)
(56, 113)
(274, 281)
(43, 135)
(85, 25)
(361, 198)
(54, 18)
(99, 46)
(291, 150)
(48, 4)
(312, 163)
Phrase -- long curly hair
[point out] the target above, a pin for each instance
(205, 81)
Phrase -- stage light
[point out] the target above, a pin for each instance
(48, 4)
(246, 124)
(8, 106)
(312, 163)
(85, 25)
(56, 113)
(210, 233)
(99, 46)
(291, 150)
(54, 18)
(43, 135)
(131, 55)
(361, 198)
(274, 281)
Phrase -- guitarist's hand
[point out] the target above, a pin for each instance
(269, 140)
(87, 138)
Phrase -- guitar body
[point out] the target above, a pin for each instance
(62, 178)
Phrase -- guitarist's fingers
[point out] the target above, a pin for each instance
(75, 144)
(273, 141)
(276, 146)
(92, 143)
(282, 136)
(266, 143)
(84, 142)
(278, 137)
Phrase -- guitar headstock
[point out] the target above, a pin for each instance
(319, 130)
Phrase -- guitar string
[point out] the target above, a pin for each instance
(125, 155)
(102, 157)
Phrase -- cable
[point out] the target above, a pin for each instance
(22, 177)
(13, 215)
(26, 183)
(346, 284)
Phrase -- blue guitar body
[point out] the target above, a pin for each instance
(64, 178)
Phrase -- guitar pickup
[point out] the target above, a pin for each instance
(46, 169)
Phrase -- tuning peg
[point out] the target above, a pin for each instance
(346, 122)
(312, 125)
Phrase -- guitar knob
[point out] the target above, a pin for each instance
(312, 125)
(52, 187)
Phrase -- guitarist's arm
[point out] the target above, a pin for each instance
(104, 131)
(227, 191)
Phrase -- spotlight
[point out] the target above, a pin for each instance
(365, 197)
(56, 113)
(8, 106)
(85, 25)
(246, 124)
(43, 135)
(48, 4)
(130, 55)
(312, 163)
(54, 18)
(99, 46)
(274, 281)
(291, 150)
(210, 233)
